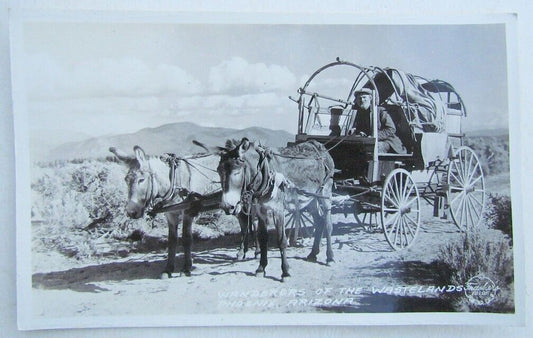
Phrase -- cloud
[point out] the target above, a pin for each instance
(48, 79)
(237, 75)
(228, 104)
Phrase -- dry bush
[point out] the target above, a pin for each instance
(493, 152)
(80, 208)
(498, 214)
(481, 252)
(80, 205)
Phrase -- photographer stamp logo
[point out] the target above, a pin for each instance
(481, 290)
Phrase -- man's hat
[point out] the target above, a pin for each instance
(364, 91)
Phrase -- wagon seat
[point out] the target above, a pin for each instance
(403, 129)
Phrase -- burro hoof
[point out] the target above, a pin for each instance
(285, 278)
(185, 273)
(165, 275)
(330, 262)
(311, 258)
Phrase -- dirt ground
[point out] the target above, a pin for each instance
(366, 277)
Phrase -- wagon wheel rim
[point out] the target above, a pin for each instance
(465, 189)
(400, 209)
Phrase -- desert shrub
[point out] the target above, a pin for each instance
(80, 208)
(80, 204)
(493, 152)
(481, 252)
(498, 213)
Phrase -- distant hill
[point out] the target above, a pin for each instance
(174, 138)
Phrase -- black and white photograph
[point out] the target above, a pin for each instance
(221, 170)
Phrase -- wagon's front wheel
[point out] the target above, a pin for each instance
(299, 223)
(465, 188)
(400, 209)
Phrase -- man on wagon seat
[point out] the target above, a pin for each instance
(388, 142)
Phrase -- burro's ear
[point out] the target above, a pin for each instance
(141, 158)
(210, 149)
(244, 146)
(122, 156)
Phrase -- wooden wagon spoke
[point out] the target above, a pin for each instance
(461, 171)
(457, 179)
(471, 210)
(410, 191)
(391, 200)
(479, 178)
(304, 216)
(457, 196)
(390, 229)
(291, 219)
(463, 165)
(409, 233)
(468, 169)
(398, 224)
(474, 172)
(463, 210)
(406, 205)
(473, 207)
(393, 218)
(403, 186)
(412, 221)
(476, 200)
(395, 190)
(402, 233)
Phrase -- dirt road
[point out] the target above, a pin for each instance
(367, 276)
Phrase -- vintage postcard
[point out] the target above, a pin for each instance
(229, 169)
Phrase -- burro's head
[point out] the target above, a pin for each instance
(139, 180)
(235, 171)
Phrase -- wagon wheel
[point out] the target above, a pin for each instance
(400, 209)
(299, 223)
(466, 188)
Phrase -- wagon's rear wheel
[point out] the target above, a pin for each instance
(400, 209)
(466, 188)
(299, 223)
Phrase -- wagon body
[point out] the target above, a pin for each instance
(427, 115)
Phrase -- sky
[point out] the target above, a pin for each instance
(94, 79)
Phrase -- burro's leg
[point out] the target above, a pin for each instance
(253, 231)
(279, 221)
(243, 246)
(263, 244)
(319, 230)
(187, 244)
(173, 221)
(327, 231)
(326, 206)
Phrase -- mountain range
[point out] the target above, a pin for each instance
(172, 138)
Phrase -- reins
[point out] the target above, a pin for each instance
(173, 162)
(265, 188)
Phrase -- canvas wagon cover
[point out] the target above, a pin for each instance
(426, 109)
